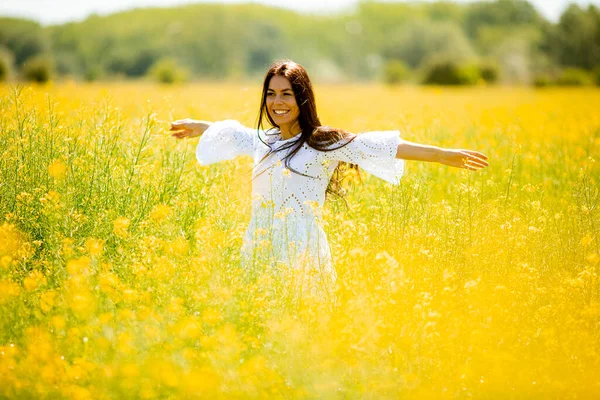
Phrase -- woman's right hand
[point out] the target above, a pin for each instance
(188, 128)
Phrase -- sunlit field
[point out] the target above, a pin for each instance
(119, 254)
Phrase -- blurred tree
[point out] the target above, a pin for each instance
(596, 75)
(395, 72)
(168, 71)
(260, 53)
(132, 62)
(39, 68)
(416, 42)
(93, 73)
(489, 72)
(6, 64)
(542, 80)
(574, 77)
(241, 40)
(575, 40)
(507, 13)
(68, 63)
(451, 73)
(23, 38)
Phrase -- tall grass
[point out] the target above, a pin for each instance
(119, 255)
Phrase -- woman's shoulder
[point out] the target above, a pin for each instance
(268, 136)
(327, 138)
(248, 130)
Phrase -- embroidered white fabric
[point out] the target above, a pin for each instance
(285, 226)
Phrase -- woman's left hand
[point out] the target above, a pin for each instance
(467, 159)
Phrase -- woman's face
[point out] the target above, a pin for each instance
(281, 102)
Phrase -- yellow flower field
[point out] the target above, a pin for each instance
(119, 254)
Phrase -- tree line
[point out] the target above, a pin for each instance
(440, 43)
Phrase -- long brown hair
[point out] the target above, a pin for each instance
(314, 134)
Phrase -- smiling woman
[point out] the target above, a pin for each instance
(297, 161)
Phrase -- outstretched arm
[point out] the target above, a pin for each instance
(460, 158)
(188, 128)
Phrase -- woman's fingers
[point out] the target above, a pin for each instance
(472, 160)
(180, 124)
(187, 128)
(477, 162)
(476, 154)
(181, 134)
(475, 157)
(177, 126)
(471, 164)
(180, 130)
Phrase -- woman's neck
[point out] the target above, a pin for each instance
(289, 131)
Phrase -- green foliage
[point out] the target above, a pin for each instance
(542, 80)
(499, 13)
(67, 64)
(596, 75)
(451, 73)
(133, 63)
(574, 77)
(575, 40)
(489, 73)
(38, 69)
(167, 71)
(4, 70)
(414, 43)
(395, 72)
(564, 77)
(6, 64)
(93, 73)
(242, 40)
(23, 38)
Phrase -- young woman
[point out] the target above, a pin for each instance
(296, 162)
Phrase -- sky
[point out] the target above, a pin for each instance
(50, 12)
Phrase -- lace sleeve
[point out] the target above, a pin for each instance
(225, 140)
(375, 152)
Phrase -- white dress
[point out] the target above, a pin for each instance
(285, 227)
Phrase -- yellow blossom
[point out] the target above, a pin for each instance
(67, 247)
(58, 322)
(57, 169)
(5, 262)
(178, 246)
(130, 370)
(51, 197)
(593, 258)
(94, 246)
(120, 226)
(211, 316)
(105, 318)
(11, 240)
(586, 240)
(79, 266)
(81, 302)
(8, 290)
(160, 212)
(34, 280)
(175, 306)
(130, 295)
(125, 342)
